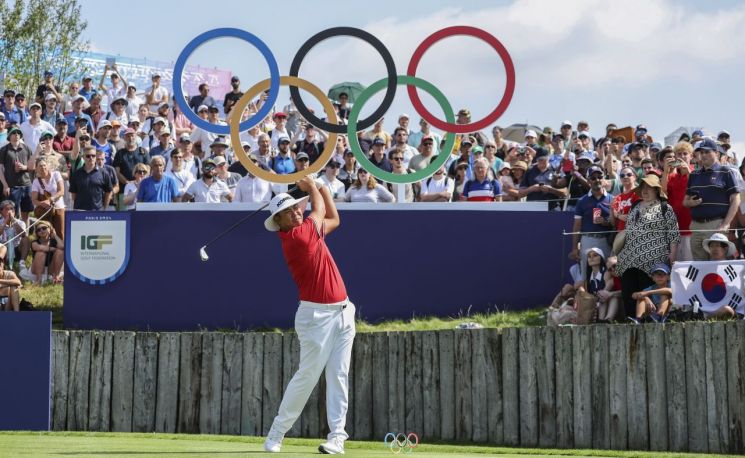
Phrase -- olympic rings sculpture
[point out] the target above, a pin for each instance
(390, 84)
(401, 442)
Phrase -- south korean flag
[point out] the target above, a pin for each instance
(711, 284)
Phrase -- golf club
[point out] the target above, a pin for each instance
(203, 251)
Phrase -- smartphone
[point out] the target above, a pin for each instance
(596, 213)
(694, 194)
(567, 165)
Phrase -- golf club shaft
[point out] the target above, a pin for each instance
(240, 221)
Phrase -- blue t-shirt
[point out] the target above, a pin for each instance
(715, 186)
(585, 208)
(71, 123)
(158, 191)
(107, 149)
(656, 298)
(87, 94)
(283, 165)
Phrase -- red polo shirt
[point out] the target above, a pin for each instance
(311, 265)
(60, 145)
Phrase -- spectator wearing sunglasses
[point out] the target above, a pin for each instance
(403, 192)
(623, 202)
(141, 171)
(367, 189)
(437, 188)
(348, 170)
(90, 187)
(677, 169)
(179, 172)
(427, 151)
(592, 219)
(49, 254)
(159, 187)
(208, 188)
(331, 182)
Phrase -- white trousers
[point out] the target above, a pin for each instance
(326, 334)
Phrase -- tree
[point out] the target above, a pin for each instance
(41, 35)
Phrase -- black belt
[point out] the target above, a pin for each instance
(707, 220)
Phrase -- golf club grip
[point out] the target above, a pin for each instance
(241, 221)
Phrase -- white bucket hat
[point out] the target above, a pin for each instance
(278, 203)
(717, 237)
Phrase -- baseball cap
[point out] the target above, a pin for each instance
(163, 104)
(585, 157)
(235, 78)
(706, 144)
(15, 130)
(213, 109)
(104, 123)
(723, 133)
(541, 152)
(404, 115)
(245, 144)
(2, 115)
(378, 141)
(50, 96)
(202, 108)
(641, 128)
(48, 73)
(219, 160)
(35, 104)
(78, 98)
(46, 134)
(697, 133)
(655, 146)
(468, 140)
(156, 75)
(594, 169)
(115, 123)
(661, 267)
(132, 85)
(184, 138)
(219, 141)
(122, 100)
(134, 120)
(280, 114)
(477, 150)
(208, 164)
(283, 139)
(61, 121)
(530, 133)
(129, 130)
(159, 119)
(566, 123)
(165, 132)
(10, 92)
(87, 78)
(584, 134)
(301, 155)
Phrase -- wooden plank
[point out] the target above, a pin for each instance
(636, 390)
(363, 376)
(290, 364)
(493, 355)
(414, 420)
(396, 401)
(675, 376)
(78, 381)
(479, 387)
(600, 388)
(232, 375)
(735, 335)
(528, 387)
(145, 382)
(716, 387)
(656, 387)
(253, 384)
(695, 356)
(446, 348)
(190, 370)
(122, 376)
(546, 386)
(564, 391)
(166, 406)
(582, 366)
(463, 401)
(272, 383)
(60, 372)
(210, 383)
(511, 386)
(380, 363)
(618, 354)
(99, 396)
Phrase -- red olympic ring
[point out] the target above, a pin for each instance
(508, 91)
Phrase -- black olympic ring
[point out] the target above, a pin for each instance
(372, 41)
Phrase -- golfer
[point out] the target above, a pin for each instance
(324, 321)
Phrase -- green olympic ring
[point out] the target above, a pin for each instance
(389, 177)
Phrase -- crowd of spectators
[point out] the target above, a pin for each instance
(112, 145)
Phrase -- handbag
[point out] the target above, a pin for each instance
(40, 212)
(586, 307)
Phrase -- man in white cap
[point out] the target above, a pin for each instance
(324, 321)
(156, 94)
(34, 126)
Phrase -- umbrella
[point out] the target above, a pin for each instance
(516, 132)
(352, 89)
(672, 137)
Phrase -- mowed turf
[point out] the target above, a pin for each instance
(66, 444)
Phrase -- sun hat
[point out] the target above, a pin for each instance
(652, 181)
(721, 238)
(278, 203)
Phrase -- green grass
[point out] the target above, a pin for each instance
(46, 298)
(20, 444)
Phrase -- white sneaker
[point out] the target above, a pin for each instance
(333, 446)
(273, 443)
(21, 264)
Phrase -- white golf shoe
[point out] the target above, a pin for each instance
(273, 443)
(333, 446)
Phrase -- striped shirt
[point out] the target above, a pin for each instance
(715, 186)
(482, 191)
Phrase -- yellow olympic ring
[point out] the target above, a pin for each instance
(235, 119)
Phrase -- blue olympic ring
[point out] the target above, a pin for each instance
(178, 69)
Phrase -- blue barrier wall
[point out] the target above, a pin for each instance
(25, 368)
(395, 263)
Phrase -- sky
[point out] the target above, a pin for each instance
(659, 62)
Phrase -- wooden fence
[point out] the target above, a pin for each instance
(678, 387)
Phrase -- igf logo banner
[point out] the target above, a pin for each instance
(98, 245)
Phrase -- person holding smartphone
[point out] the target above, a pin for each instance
(677, 169)
(713, 197)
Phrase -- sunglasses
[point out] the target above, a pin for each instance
(178, 156)
(42, 229)
(140, 172)
(626, 175)
(362, 172)
(427, 143)
(90, 156)
(397, 159)
(596, 178)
